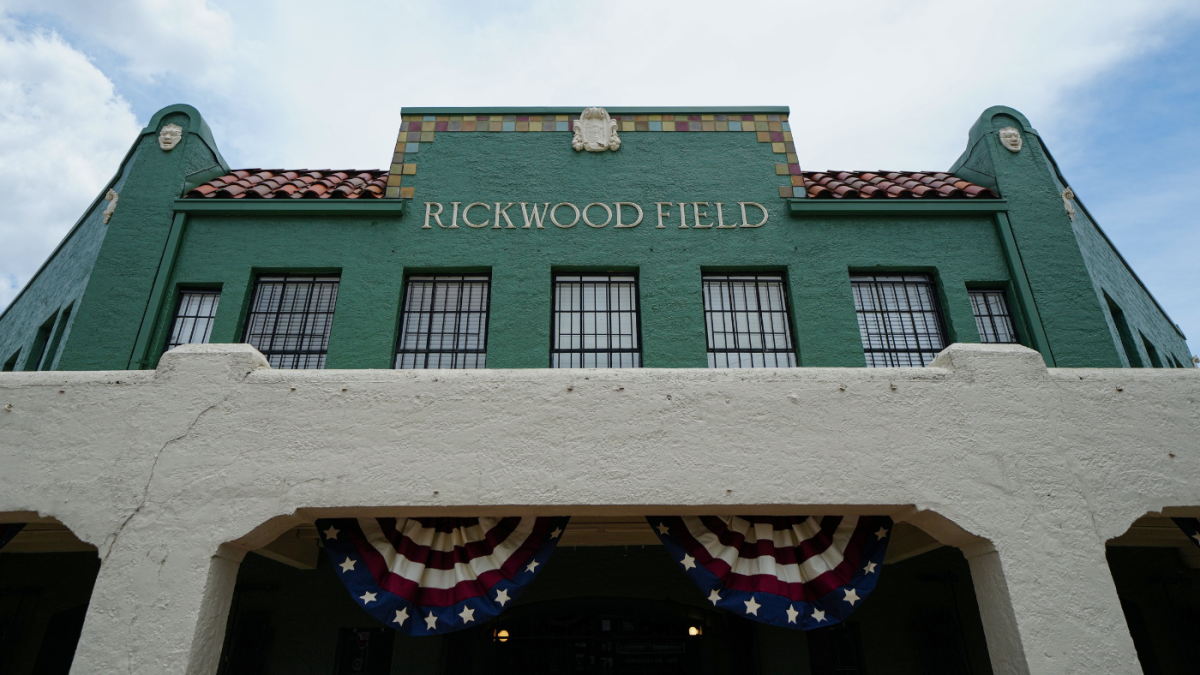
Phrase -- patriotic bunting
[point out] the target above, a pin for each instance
(1190, 527)
(796, 572)
(430, 576)
(8, 531)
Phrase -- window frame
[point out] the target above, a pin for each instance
(315, 278)
(1008, 306)
(756, 278)
(486, 277)
(936, 299)
(174, 316)
(637, 313)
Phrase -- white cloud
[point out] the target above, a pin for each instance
(885, 86)
(154, 38)
(63, 130)
(307, 84)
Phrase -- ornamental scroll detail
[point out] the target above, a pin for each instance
(595, 131)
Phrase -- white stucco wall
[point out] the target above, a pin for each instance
(174, 474)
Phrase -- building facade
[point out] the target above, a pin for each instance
(232, 355)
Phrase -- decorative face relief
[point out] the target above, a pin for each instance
(169, 137)
(1010, 138)
(595, 131)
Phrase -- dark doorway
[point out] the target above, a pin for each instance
(59, 642)
(613, 636)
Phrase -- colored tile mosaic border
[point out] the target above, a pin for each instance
(416, 130)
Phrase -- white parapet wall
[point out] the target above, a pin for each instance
(174, 474)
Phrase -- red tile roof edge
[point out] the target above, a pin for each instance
(372, 184)
(891, 185)
(294, 184)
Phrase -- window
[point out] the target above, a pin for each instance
(992, 317)
(193, 318)
(52, 350)
(1127, 343)
(1151, 351)
(38, 349)
(747, 322)
(444, 324)
(290, 318)
(11, 363)
(898, 318)
(595, 322)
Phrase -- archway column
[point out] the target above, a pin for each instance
(158, 607)
(1049, 605)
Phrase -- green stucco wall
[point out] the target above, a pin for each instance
(1070, 263)
(111, 310)
(1067, 268)
(61, 281)
(374, 254)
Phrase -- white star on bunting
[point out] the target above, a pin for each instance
(502, 597)
(431, 621)
(818, 615)
(663, 529)
(792, 614)
(367, 598)
(851, 597)
(348, 566)
(752, 606)
(688, 562)
(468, 615)
(332, 532)
(714, 596)
(557, 531)
(401, 616)
(532, 566)
(881, 533)
(870, 568)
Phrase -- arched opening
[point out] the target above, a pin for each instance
(610, 600)
(1156, 570)
(46, 580)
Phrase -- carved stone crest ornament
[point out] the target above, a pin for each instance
(169, 137)
(595, 131)
(111, 197)
(1010, 138)
(1067, 196)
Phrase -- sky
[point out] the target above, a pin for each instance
(1113, 87)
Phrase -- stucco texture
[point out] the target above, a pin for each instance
(374, 254)
(174, 474)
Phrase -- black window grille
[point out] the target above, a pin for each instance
(899, 319)
(193, 318)
(747, 321)
(992, 317)
(290, 318)
(444, 324)
(595, 322)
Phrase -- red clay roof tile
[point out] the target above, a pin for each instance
(294, 184)
(891, 185)
(354, 184)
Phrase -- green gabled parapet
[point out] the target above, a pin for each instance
(1043, 214)
(1062, 253)
(123, 274)
(35, 328)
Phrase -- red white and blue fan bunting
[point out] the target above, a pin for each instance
(429, 576)
(1190, 527)
(796, 572)
(8, 531)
